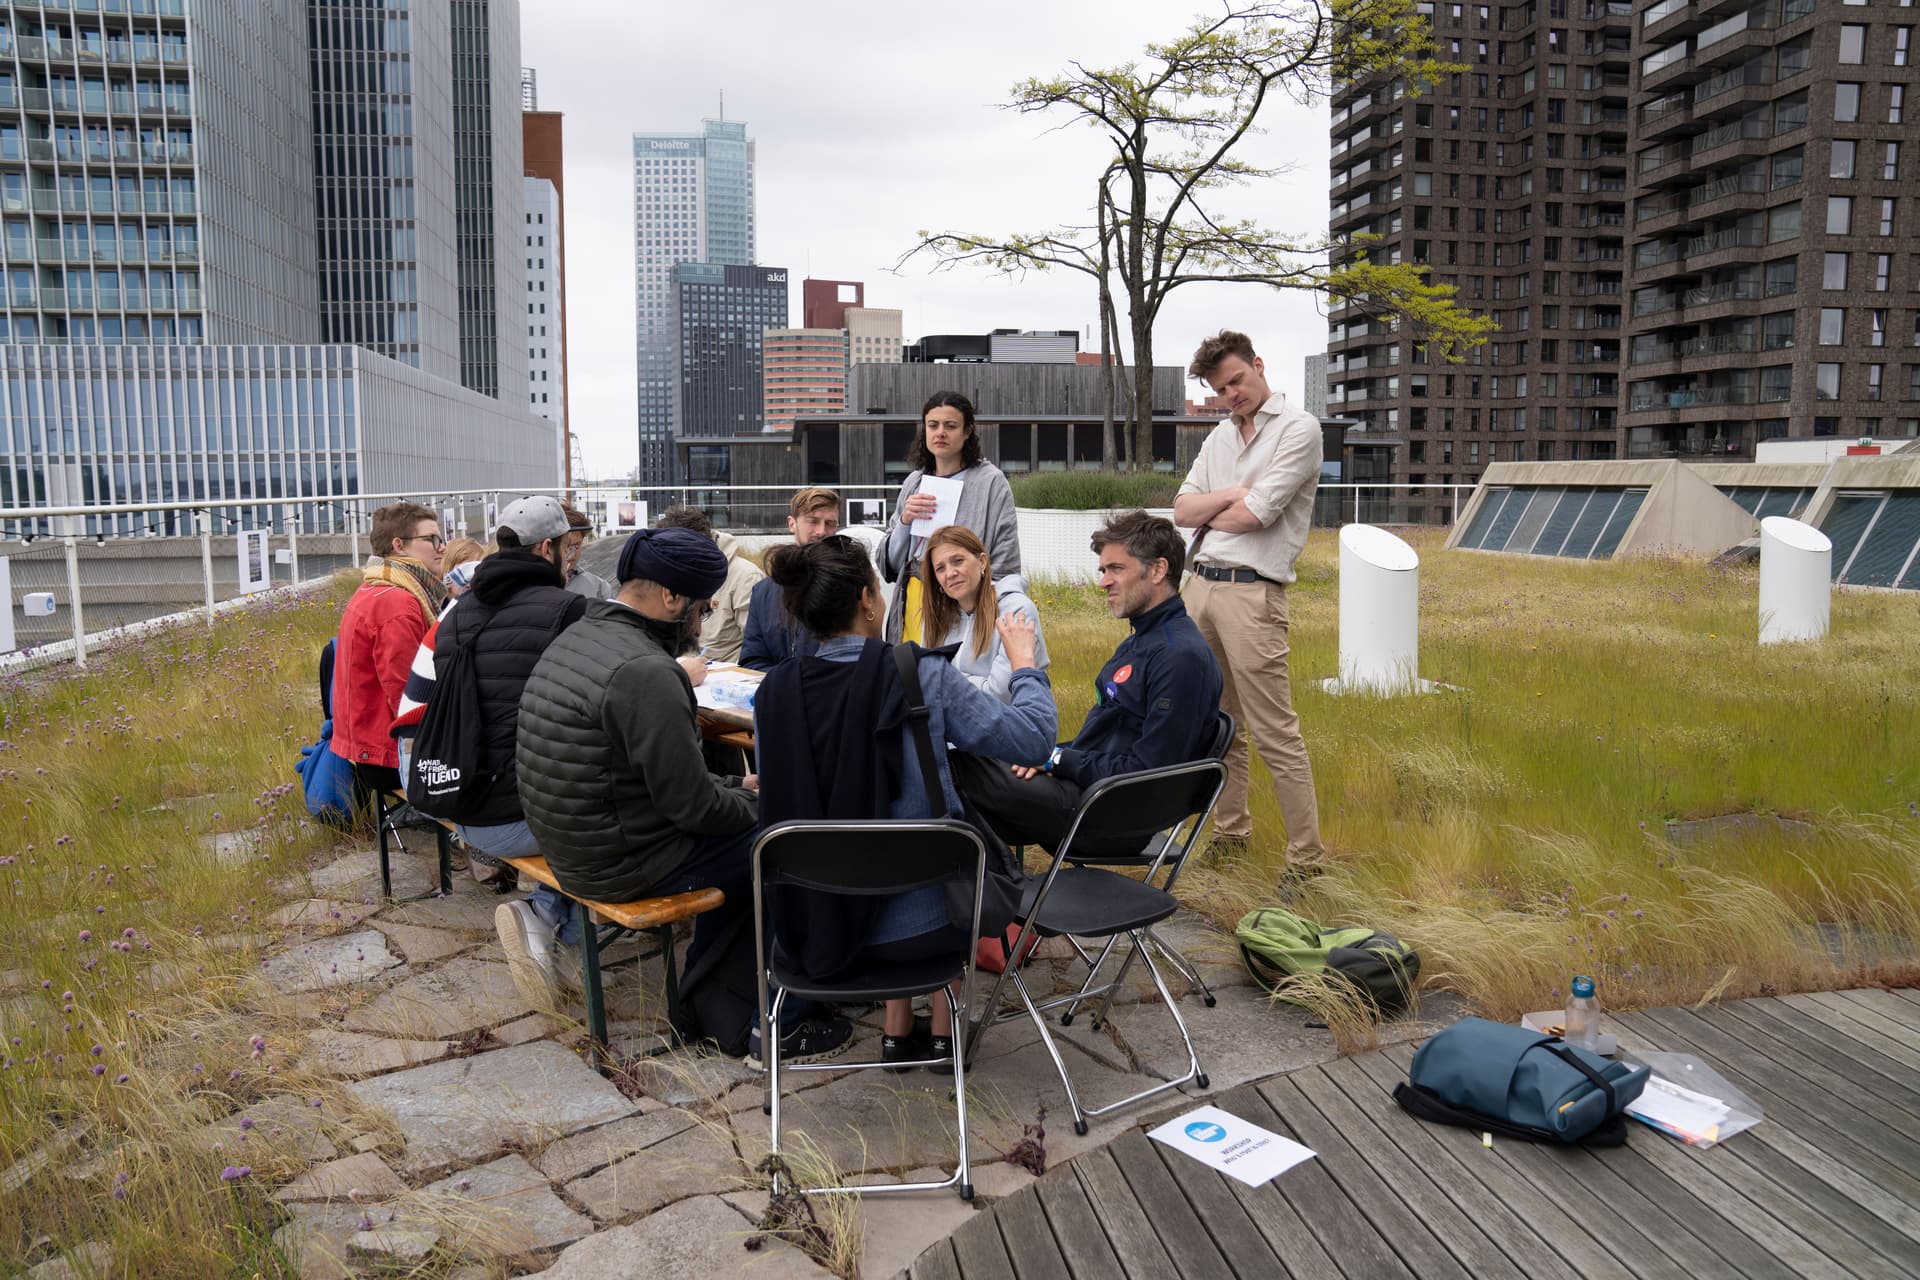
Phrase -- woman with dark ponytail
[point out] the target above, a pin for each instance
(834, 743)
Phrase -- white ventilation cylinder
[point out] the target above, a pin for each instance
(1796, 581)
(1379, 612)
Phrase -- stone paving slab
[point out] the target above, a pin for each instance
(467, 1109)
(585, 1153)
(363, 1176)
(698, 1237)
(503, 1210)
(358, 874)
(347, 959)
(322, 913)
(463, 995)
(469, 910)
(314, 1239)
(271, 1132)
(353, 1053)
(697, 1161)
(421, 945)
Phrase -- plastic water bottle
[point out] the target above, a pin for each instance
(1582, 1015)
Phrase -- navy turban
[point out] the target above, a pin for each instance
(684, 562)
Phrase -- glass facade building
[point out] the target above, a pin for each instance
(486, 161)
(382, 157)
(154, 182)
(207, 209)
(693, 198)
(239, 424)
(720, 317)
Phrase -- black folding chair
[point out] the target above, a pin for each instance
(867, 858)
(388, 808)
(1168, 851)
(1094, 902)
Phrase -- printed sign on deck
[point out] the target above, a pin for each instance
(1234, 1146)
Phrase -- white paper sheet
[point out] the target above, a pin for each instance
(1236, 1147)
(946, 495)
(727, 687)
(1680, 1111)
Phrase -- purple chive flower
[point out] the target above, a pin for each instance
(99, 1070)
(246, 1122)
(233, 1173)
(86, 935)
(122, 1078)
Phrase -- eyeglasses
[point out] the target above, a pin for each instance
(439, 543)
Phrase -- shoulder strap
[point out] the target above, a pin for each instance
(918, 717)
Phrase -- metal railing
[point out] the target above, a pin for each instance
(112, 570)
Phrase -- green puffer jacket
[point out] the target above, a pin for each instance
(611, 776)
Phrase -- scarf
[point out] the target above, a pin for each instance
(408, 573)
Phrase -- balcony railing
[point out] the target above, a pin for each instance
(1662, 11)
(1674, 55)
(1745, 127)
(1757, 71)
(1725, 291)
(1689, 398)
(1730, 239)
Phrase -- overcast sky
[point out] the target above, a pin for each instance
(874, 121)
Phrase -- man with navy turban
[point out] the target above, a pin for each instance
(612, 780)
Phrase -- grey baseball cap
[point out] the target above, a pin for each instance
(535, 519)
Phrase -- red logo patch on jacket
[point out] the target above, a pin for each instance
(1121, 676)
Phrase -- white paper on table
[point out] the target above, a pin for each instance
(1236, 1147)
(1679, 1109)
(726, 687)
(946, 496)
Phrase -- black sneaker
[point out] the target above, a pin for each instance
(912, 1047)
(813, 1040)
(940, 1047)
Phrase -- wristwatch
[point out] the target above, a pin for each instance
(1052, 760)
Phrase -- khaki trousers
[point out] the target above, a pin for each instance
(1245, 624)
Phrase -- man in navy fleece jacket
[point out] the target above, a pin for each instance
(1155, 701)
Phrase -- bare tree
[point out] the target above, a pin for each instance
(1174, 120)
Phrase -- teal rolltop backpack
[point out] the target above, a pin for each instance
(1504, 1079)
(1276, 945)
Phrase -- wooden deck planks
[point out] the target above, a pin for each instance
(1825, 1187)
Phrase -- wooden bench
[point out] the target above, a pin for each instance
(650, 915)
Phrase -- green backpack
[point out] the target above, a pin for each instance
(1276, 945)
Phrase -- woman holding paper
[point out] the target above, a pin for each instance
(949, 484)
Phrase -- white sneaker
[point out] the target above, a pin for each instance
(530, 945)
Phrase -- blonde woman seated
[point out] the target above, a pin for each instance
(964, 602)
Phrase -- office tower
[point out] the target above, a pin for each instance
(1313, 389)
(487, 214)
(546, 324)
(154, 175)
(383, 169)
(719, 316)
(226, 222)
(1670, 208)
(824, 303)
(873, 335)
(805, 372)
(693, 203)
(543, 160)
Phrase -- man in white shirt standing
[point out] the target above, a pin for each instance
(1250, 498)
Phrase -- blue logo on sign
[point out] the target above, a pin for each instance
(1205, 1131)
